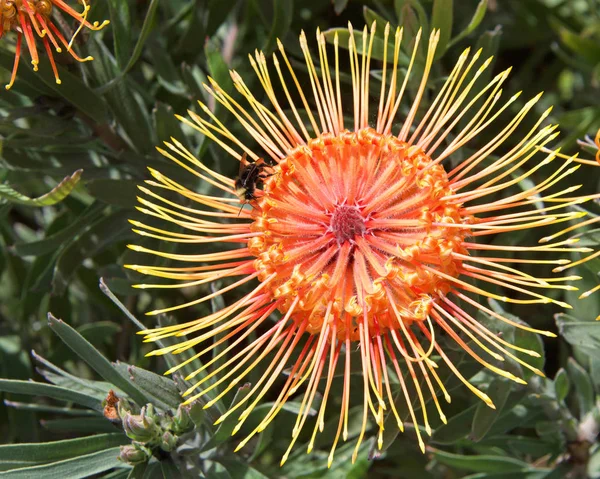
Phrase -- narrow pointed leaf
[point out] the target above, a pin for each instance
(56, 195)
(95, 360)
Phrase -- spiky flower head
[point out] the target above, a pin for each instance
(359, 237)
(31, 18)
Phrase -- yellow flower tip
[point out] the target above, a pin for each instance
(380, 443)
(585, 295)
(400, 425)
(284, 459)
(310, 447)
(428, 429)
(187, 402)
(598, 318)
(547, 334)
(421, 445)
(443, 418)
(236, 429)
(135, 247)
(153, 313)
(329, 460)
(447, 397)
(354, 455)
(518, 380)
(303, 41)
(240, 445)
(58, 81)
(140, 286)
(345, 435)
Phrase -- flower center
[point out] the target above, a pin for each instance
(357, 227)
(347, 223)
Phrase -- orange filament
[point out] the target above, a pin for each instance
(366, 241)
(32, 18)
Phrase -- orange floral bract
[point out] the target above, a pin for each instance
(360, 237)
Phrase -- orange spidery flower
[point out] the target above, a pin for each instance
(358, 234)
(32, 17)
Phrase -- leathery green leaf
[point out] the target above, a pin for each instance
(56, 195)
(96, 361)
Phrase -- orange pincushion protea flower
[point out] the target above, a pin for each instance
(32, 17)
(358, 235)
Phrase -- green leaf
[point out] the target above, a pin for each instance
(489, 43)
(95, 360)
(580, 334)
(81, 425)
(68, 411)
(457, 428)
(72, 89)
(238, 469)
(225, 428)
(485, 416)
(561, 384)
(441, 17)
(58, 193)
(339, 6)
(473, 24)
(138, 472)
(96, 238)
(46, 390)
(120, 23)
(480, 463)
(159, 388)
(283, 13)
(412, 16)
(166, 125)
(114, 192)
(583, 385)
(139, 46)
(75, 468)
(219, 71)
(371, 16)
(23, 455)
(55, 241)
(586, 47)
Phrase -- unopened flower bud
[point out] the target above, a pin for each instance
(182, 421)
(142, 427)
(168, 441)
(124, 407)
(134, 454)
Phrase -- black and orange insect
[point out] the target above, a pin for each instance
(251, 176)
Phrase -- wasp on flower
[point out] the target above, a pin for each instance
(363, 239)
(31, 18)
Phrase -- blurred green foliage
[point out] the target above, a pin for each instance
(72, 155)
